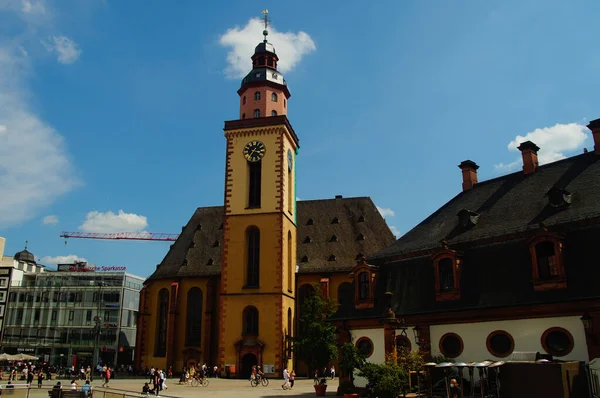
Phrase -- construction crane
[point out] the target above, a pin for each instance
(121, 236)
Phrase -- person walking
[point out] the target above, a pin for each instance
(286, 378)
(332, 371)
(292, 378)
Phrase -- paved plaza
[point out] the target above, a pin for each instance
(233, 388)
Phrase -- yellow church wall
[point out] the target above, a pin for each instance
(271, 238)
(335, 280)
(149, 323)
(277, 141)
(270, 320)
(238, 169)
(180, 322)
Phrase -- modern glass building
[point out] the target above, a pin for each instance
(78, 315)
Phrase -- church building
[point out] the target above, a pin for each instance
(228, 291)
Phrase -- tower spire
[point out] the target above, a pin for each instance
(266, 22)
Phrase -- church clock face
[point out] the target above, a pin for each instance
(254, 151)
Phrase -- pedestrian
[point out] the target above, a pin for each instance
(107, 374)
(286, 378)
(332, 371)
(40, 377)
(292, 378)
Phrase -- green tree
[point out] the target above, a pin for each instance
(387, 380)
(315, 343)
(351, 359)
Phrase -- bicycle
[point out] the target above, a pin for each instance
(196, 381)
(262, 380)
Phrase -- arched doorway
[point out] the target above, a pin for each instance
(248, 361)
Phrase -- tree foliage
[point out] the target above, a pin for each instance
(351, 359)
(315, 343)
(386, 380)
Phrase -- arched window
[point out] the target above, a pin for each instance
(243, 115)
(284, 103)
(446, 274)
(255, 182)
(193, 327)
(162, 314)
(273, 113)
(274, 97)
(244, 100)
(270, 61)
(257, 95)
(290, 262)
(250, 321)
(289, 322)
(253, 261)
(257, 113)
(364, 288)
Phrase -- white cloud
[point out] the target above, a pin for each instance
(67, 50)
(109, 222)
(34, 166)
(395, 231)
(553, 142)
(37, 7)
(290, 47)
(385, 212)
(68, 259)
(50, 220)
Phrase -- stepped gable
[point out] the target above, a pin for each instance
(360, 228)
(508, 205)
(353, 235)
(190, 254)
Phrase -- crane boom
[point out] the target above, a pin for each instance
(121, 236)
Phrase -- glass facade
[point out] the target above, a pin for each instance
(77, 316)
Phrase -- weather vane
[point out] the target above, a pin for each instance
(266, 22)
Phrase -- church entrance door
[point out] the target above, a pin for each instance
(248, 361)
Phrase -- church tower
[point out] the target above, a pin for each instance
(257, 298)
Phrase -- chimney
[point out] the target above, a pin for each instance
(469, 174)
(595, 127)
(529, 152)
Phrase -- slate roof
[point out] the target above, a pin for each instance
(509, 204)
(497, 272)
(360, 229)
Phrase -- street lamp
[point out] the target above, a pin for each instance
(419, 338)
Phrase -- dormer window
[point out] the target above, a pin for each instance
(192, 245)
(210, 261)
(332, 258)
(308, 239)
(216, 244)
(359, 256)
(361, 219)
(335, 220)
(310, 222)
(447, 275)
(304, 259)
(257, 96)
(360, 237)
(559, 197)
(333, 238)
(364, 282)
(467, 219)
(184, 263)
(547, 262)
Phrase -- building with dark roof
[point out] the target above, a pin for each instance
(507, 265)
(228, 290)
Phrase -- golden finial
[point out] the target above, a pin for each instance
(266, 22)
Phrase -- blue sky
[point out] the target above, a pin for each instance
(111, 112)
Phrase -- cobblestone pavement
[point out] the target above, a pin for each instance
(217, 388)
